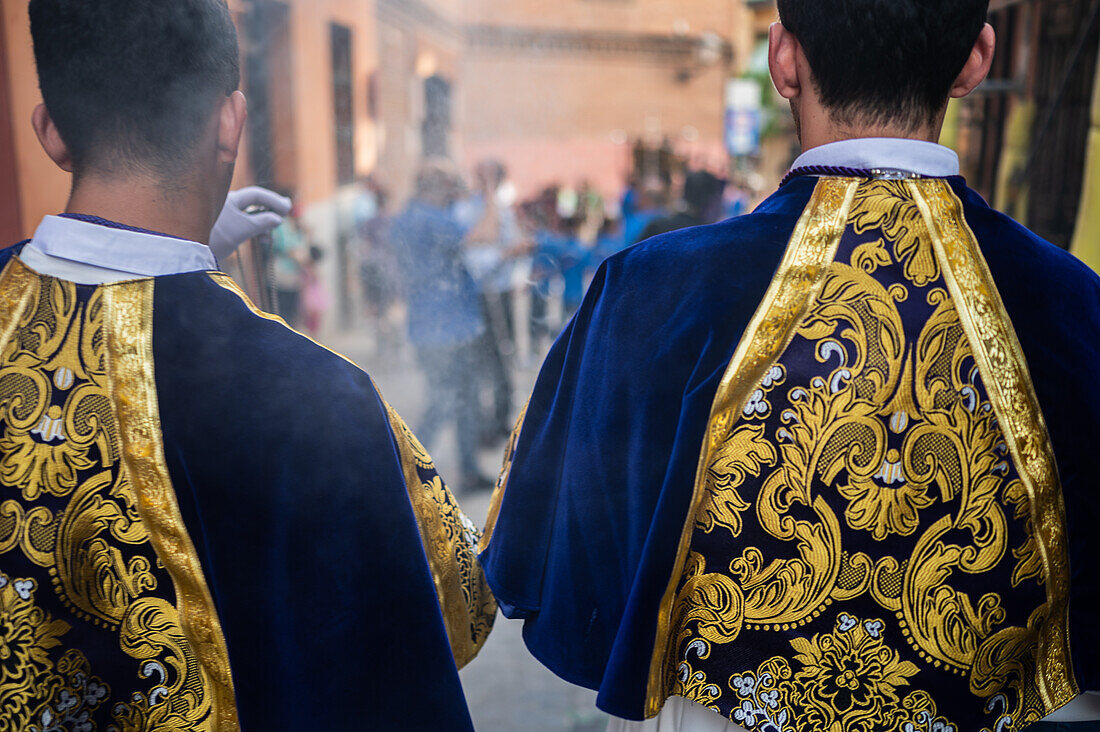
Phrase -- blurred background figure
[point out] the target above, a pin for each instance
(445, 321)
(642, 205)
(291, 250)
(700, 203)
(315, 298)
(379, 276)
(492, 246)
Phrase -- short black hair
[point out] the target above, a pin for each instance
(885, 61)
(132, 83)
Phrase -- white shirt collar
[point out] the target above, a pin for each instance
(91, 254)
(882, 153)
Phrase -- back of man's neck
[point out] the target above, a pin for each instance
(143, 204)
(817, 138)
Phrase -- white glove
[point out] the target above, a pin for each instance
(234, 227)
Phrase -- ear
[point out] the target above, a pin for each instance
(977, 66)
(50, 138)
(783, 61)
(231, 119)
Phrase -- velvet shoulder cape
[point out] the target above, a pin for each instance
(273, 547)
(600, 477)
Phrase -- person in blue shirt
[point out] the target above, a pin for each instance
(491, 248)
(445, 316)
(647, 206)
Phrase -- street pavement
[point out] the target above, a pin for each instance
(507, 689)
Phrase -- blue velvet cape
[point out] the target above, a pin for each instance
(602, 474)
(295, 485)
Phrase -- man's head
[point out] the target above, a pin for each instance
(885, 64)
(489, 176)
(438, 183)
(139, 88)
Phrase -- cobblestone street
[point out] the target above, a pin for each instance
(507, 689)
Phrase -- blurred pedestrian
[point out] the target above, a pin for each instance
(445, 325)
(379, 275)
(492, 244)
(291, 251)
(316, 300)
(699, 204)
(568, 259)
(650, 203)
(543, 218)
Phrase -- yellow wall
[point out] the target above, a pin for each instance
(1086, 239)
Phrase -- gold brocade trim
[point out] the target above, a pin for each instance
(465, 600)
(443, 547)
(1008, 381)
(132, 386)
(226, 282)
(502, 482)
(795, 285)
(16, 291)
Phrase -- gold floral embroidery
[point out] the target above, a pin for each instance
(497, 499)
(884, 510)
(745, 452)
(173, 700)
(450, 543)
(802, 271)
(850, 676)
(695, 685)
(129, 345)
(945, 476)
(27, 634)
(846, 680)
(76, 695)
(710, 605)
(78, 496)
(1030, 564)
(999, 354)
(887, 205)
(47, 444)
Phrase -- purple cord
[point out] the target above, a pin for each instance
(826, 170)
(842, 172)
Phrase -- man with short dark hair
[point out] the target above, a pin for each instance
(208, 521)
(827, 466)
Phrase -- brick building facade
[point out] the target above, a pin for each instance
(560, 89)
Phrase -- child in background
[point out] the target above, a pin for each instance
(315, 298)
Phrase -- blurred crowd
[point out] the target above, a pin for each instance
(477, 282)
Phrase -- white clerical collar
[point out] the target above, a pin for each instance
(92, 254)
(918, 157)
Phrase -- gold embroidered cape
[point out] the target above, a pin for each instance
(185, 546)
(851, 521)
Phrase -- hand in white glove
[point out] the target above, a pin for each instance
(234, 227)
